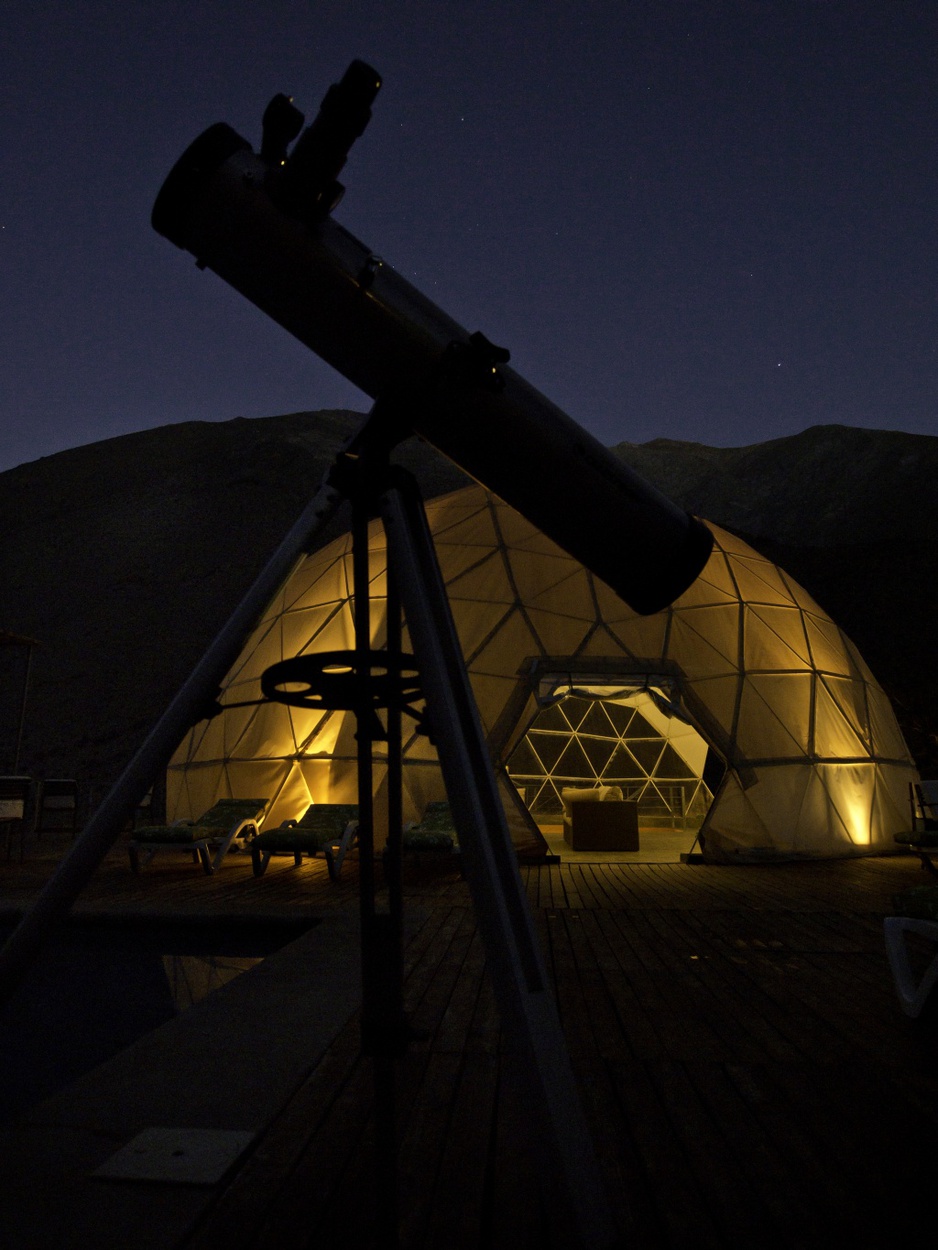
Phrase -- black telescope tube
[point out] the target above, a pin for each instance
(331, 292)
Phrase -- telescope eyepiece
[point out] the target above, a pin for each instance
(309, 187)
(348, 102)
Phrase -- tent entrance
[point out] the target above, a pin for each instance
(630, 736)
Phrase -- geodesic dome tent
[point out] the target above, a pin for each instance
(743, 703)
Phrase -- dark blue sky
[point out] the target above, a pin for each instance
(712, 220)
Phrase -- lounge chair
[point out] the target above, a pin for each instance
(57, 806)
(923, 836)
(14, 804)
(434, 832)
(330, 829)
(228, 820)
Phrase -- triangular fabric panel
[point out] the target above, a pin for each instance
(758, 581)
(828, 653)
(512, 643)
(558, 635)
(720, 696)
(485, 583)
(715, 584)
(844, 703)
(707, 639)
(774, 638)
(537, 578)
(775, 715)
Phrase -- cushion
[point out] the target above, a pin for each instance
(319, 825)
(435, 832)
(419, 839)
(321, 817)
(228, 812)
(214, 824)
(594, 794)
(437, 818)
(295, 839)
(174, 834)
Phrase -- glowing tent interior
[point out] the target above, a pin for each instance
(742, 710)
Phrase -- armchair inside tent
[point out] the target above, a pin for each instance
(598, 818)
(329, 829)
(229, 820)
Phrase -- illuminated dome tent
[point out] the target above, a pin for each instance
(743, 705)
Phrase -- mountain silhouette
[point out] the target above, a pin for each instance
(125, 557)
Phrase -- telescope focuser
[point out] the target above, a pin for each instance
(474, 364)
(305, 183)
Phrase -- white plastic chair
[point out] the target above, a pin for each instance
(912, 997)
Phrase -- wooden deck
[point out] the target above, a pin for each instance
(746, 1071)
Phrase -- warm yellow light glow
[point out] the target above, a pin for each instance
(853, 803)
(857, 820)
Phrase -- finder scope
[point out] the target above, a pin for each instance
(261, 222)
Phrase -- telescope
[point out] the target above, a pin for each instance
(261, 222)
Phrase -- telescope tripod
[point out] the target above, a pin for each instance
(367, 681)
(393, 680)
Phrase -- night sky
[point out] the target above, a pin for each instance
(711, 221)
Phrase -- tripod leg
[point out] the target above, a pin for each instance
(101, 831)
(380, 1027)
(529, 1017)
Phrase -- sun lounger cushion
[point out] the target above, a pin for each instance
(435, 832)
(318, 815)
(320, 825)
(227, 812)
(330, 828)
(424, 841)
(216, 821)
(295, 839)
(174, 835)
